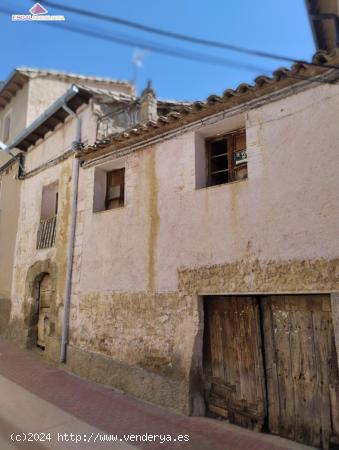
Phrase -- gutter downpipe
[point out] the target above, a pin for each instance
(70, 249)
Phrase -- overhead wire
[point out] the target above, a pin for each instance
(154, 47)
(176, 52)
(179, 36)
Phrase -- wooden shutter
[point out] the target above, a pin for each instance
(115, 190)
(239, 156)
(227, 158)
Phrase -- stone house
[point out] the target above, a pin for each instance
(41, 269)
(188, 254)
(206, 257)
(24, 96)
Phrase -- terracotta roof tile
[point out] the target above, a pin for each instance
(31, 72)
(282, 77)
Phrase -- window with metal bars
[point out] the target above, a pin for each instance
(226, 158)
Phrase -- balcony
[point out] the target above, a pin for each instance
(46, 233)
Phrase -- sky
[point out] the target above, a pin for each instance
(280, 27)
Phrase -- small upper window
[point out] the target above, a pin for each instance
(6, 127)
(49, 210)
(115, 188)
(226, 158)
(49, 201)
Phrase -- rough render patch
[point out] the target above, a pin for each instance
(147, 330)
(251, 275)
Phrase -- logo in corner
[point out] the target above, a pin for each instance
(36, 13)
(38, 10)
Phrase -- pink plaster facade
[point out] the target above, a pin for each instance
(285, 210)
(140, 271)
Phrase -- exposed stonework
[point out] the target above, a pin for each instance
(146, 341)
(34, 276)
(252, 276)
(138, 329)
(135, 342)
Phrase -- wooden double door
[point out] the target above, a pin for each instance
(270, 364)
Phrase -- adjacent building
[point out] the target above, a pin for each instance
(24, 97)
(206, 257)
(324, 20)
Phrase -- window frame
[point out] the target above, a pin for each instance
(230, 152)
(121, 198)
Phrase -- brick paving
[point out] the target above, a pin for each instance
(116, 413)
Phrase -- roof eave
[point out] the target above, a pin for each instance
(21, 140)
(244, 93)
(7, 83)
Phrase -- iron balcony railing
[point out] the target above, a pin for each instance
(46, 233)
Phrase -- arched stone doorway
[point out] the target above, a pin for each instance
(40, 301)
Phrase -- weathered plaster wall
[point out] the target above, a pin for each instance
(26, 253)
(139, 270)
(41, 171)
(29, 103)
(284, 211)
(9, 212)
(18, 107)
(42, 93)
(59, 141)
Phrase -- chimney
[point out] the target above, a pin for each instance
(148, 104)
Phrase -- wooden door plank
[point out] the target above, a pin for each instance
(282, 329)
(333, 376)
(273, 398)
(307, 392)
(321, 333)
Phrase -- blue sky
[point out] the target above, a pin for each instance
(269, 25)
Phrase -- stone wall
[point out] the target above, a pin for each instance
(140, 272)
